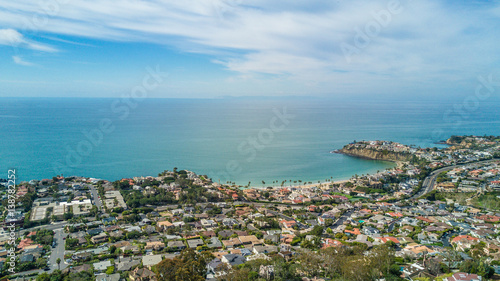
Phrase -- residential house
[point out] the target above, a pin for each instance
(102, 237)
(24, 258)
(108, 277)
(164, 225)
(208, 234)
(176, 245)
(155, 245)
(102, 266)
(193, 243)
(127, 265)
(330, 243)
(264, 249)
(273, 238)
(230, 222)
(215, 266)
(94, 231)
(151, 260)
(208, 223)
(233, 259)
(226, 233)
(370, 231)
(231, 243)
(133, 249)
(461, 276)
(287, 224)
(142, 274)
(250, 239)
(214, 242)
(81, 256)
(463, 242)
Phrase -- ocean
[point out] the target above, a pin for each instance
(239, 140)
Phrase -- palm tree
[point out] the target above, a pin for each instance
(58, 261)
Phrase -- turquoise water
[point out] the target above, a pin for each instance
(238, 140)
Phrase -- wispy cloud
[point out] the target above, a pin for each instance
(428, 40)
(68, 41)
(11, 37)
(20, 61)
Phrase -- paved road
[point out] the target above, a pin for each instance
(52, 226)
(260, 204)
(281, 215)
(95, 196)
(58, 251)
(391, 225)
(445, 239)
(430, 181)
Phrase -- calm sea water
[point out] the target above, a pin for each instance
(237, 140)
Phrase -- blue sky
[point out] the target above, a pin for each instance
(212, 48)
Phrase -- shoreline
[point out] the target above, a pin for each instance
(302, 185)
(359, 156)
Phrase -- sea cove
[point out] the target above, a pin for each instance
(240, 140)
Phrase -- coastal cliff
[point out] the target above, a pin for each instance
(362, 151)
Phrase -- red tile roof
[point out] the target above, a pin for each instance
(460, 237)
(354, 231)
(386, 239)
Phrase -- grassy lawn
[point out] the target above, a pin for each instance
(342, 194)
(488, 201)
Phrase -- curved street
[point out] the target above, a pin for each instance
(430, 180)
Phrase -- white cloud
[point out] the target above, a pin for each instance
(427, 41)
(11, 37)
(20, 61)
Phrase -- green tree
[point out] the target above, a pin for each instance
(188, 266)
(110, 270)
(234, 274)
(317, 230)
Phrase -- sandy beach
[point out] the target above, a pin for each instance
(302, 185)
